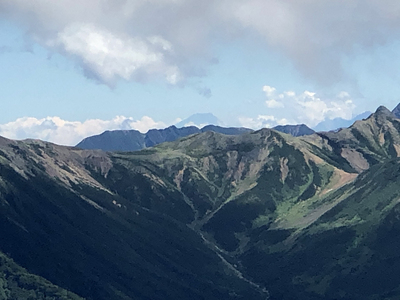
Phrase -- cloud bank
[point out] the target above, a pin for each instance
(283, 108)
(59, 131)
(174, 39)
(300, 108)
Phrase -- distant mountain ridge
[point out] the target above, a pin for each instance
(260, 215)
(133, 140)
(336, 123)
(295, 130)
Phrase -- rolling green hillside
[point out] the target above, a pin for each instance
(261, 215)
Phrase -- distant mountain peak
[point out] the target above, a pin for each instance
(382, 114)
(199, 120)
(383, 110)
(295, 130)
(336, 123)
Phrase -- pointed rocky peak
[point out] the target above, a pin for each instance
(383, 110)
(382, 114)
(199, 120)
(263, 131)
(396, 111)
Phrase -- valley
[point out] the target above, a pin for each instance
(256, 215)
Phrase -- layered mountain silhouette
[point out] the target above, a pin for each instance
(257, 215)
(337, 123)
(133, 140)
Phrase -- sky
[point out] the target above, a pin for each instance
(71, 69)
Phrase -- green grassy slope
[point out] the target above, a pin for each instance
(210, 216)
(17, 283)
(351, 252)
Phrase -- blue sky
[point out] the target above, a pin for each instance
(69, 70)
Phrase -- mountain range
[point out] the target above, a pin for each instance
(256, 215)
(133, 140)
(336, 123)
(295, 130)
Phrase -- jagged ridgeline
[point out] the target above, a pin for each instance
(260, 215)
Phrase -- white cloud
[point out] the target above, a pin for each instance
(269, 91)
(261, 121)
(110, 57)
(56, 130)
(196, 125)
(274, 104)
(308, 107)
(343, 94)
(170, 38)
(315, 34)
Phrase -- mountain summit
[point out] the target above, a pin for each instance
(199, 120)
(295, 130)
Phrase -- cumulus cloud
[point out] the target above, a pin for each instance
(117, 39)
(174, 39)
(261, 121)
(59, 131)
(269, 90)
(196, 125)
(110, 57)
(307, 107)
(274, 104)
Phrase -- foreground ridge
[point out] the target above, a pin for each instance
(260, 215)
